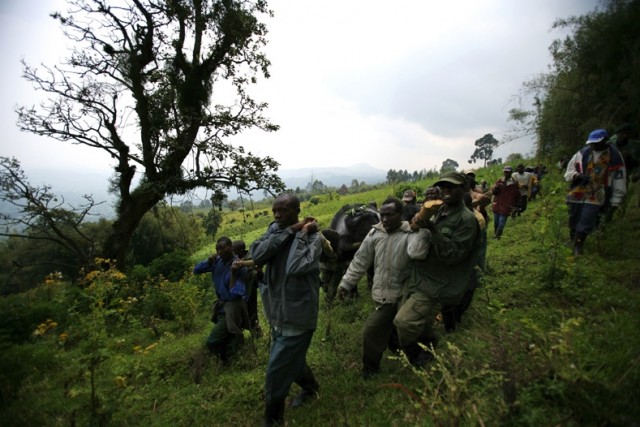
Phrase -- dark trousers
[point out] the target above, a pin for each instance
(252, 308)
(288, 364)
(221, 342)
(583, 217)
(378, 329)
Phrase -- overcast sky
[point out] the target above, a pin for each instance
(396, 85)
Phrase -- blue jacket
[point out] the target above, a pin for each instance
(221, 278)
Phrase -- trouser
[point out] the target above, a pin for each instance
(221, 342)
(288, 364)
(583, 218)
(252, 308)
(499, 222)
(522, 203)
(376, 336)
(415, 317)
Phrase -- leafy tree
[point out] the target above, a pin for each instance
(233, 205)
(164, 229)
(186, 206)
(514, 157)
(317, 187)
(593, 80)
(139, 85)
(35, 213)
(484, 149)
(392, 176)
(212, 221)
(449, 165)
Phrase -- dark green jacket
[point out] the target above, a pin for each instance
(454, 249)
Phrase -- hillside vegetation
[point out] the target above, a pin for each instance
(548, 340)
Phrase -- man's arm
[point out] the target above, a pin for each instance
(362, 260)
(305, 252)
(573, 168)
(269, 244)
(205, 266)
(451, 247)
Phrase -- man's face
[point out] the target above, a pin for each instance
(507, 174)
(284, 212)
(224, 251)
(391, 220)
(520, 169)
(432, 194)
(599, 146)
(452, 194)
(471, 178)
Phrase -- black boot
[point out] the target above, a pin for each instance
(309, 390)
(273, 414)
(578, 243)
(417, 356)
(449, 318)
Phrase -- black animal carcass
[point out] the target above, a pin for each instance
(348, 229)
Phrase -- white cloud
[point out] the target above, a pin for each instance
(397, 85)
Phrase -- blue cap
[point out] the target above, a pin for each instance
(597, 135)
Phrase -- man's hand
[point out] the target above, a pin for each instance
(300, 225)
(342, 293)
(580, 179)
(310, 225)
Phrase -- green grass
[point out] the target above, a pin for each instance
(549, 340)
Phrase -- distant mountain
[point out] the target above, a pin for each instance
(332, 176)
(72, 185)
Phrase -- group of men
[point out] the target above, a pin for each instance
(420, 267)
(425, 260)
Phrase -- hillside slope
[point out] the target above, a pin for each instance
(549, 340)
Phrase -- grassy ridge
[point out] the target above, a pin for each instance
(548, 340)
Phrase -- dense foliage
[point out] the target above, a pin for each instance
(549, 339)
(593, 81)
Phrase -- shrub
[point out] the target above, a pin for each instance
(172, 265)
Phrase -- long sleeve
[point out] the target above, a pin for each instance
(203, 267)
(269, 244)
(362, 260)
(573, 167)
(304, 256)
(452, 248)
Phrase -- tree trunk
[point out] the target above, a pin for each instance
(130, 213)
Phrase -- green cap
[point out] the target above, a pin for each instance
(455, 178)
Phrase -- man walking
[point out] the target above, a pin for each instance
(506, 194)
(598, 180)
(384, 248)
(442, 279)
(290, 250)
